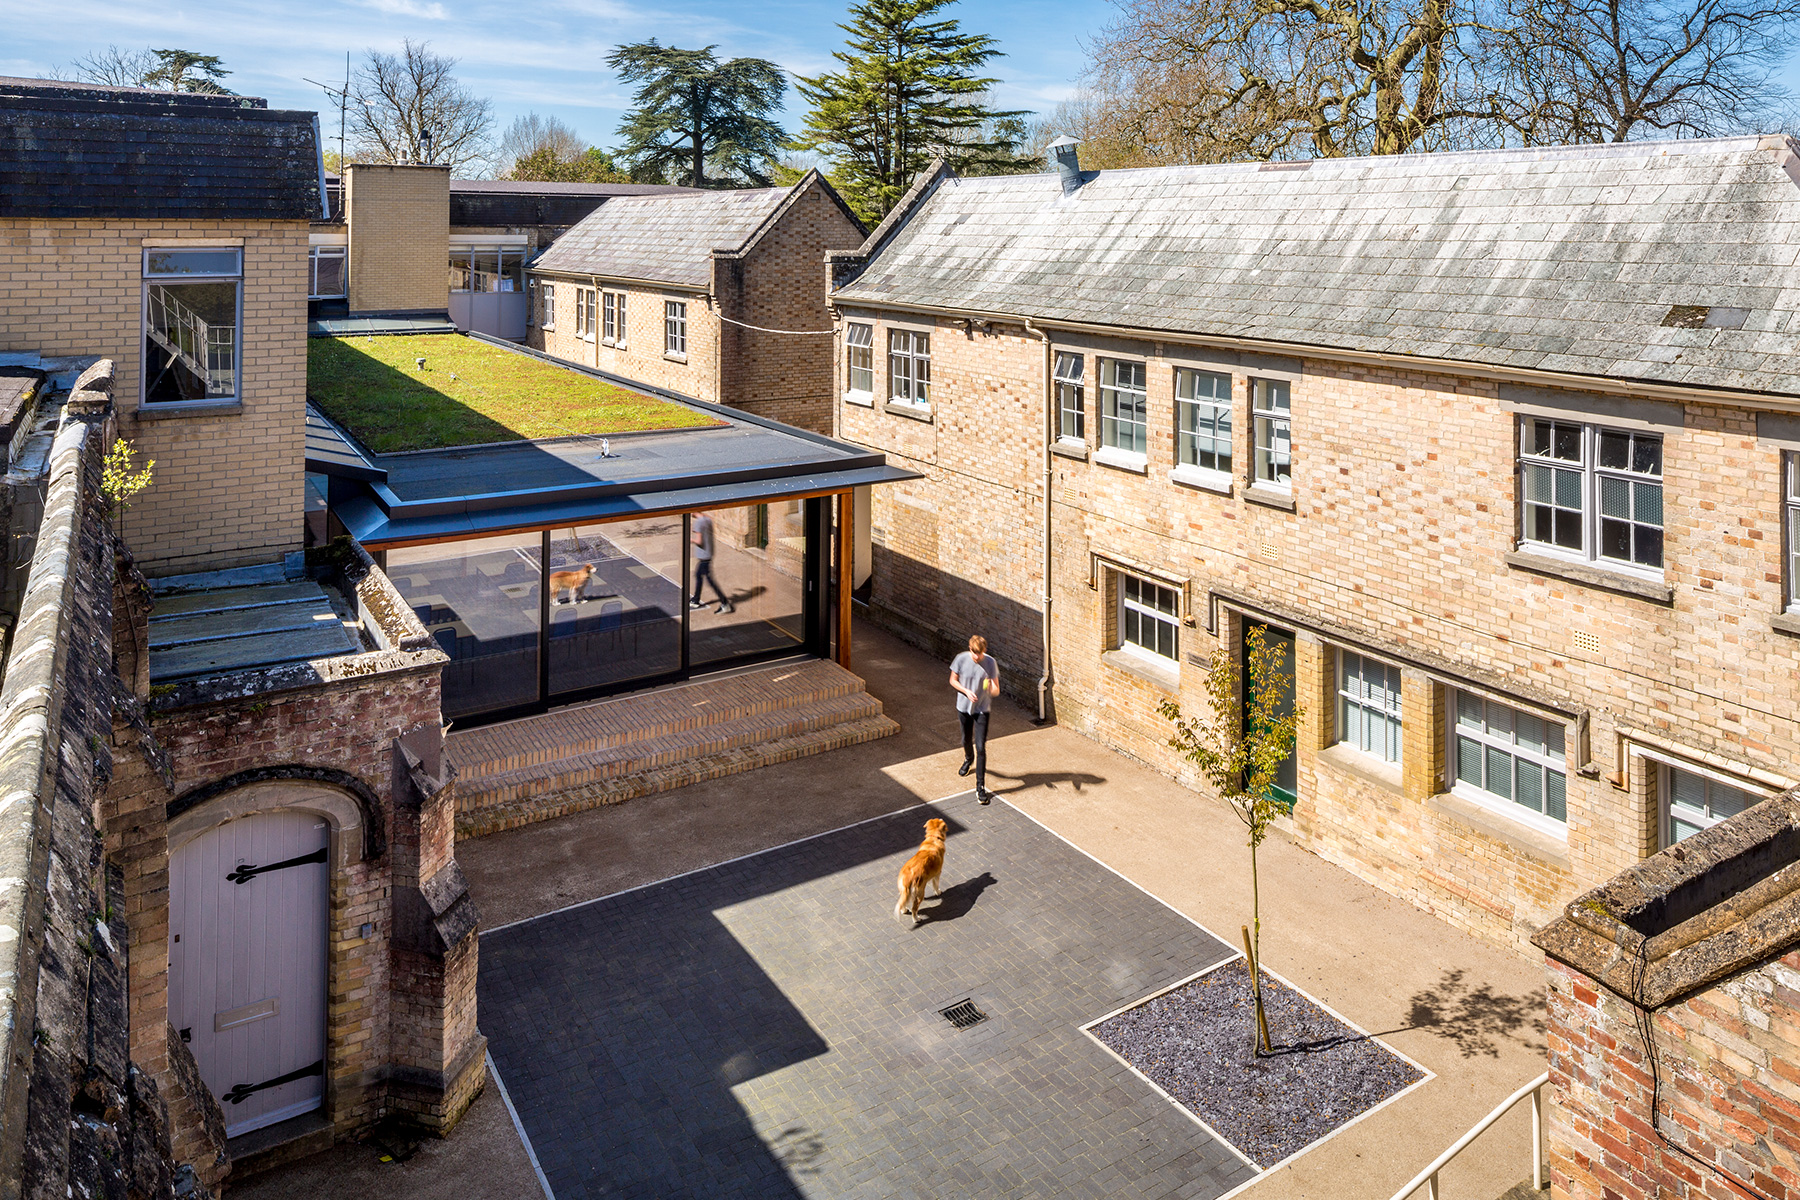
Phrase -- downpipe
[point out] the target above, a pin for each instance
(1047, 679)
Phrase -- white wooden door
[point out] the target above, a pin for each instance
(247, 946)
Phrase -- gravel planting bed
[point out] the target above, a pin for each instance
(1195, 1043)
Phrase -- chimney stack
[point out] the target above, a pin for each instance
(1068, 164)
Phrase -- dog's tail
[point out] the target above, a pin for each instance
(906, 895)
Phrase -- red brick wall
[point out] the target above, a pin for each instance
(1730, 1093)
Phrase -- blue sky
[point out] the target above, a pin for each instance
(536, 55)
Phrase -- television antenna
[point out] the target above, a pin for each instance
(342, 95)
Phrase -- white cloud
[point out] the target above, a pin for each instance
(407, 8)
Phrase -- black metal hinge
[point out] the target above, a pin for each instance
(244, 874)
(241, 1092)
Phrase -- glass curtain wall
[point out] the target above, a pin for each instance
(615, 603)
(480, 601)
(746, 581)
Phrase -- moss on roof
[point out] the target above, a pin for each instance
(469, 392)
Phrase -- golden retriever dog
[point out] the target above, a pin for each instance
(924, 867)
(571, 582)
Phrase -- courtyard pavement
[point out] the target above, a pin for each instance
(1468, 1011)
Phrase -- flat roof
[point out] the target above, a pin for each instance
(471, 491)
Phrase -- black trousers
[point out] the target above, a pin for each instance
(975, 727)
(703, 575)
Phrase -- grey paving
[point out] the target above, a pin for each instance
(766, 1028)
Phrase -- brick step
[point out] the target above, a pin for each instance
(615, 789)
(647, 753)
(532, 741)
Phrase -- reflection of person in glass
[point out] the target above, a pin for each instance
(703, 560)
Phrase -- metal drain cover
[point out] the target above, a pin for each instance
(963, 1014)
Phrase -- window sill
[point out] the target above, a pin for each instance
(1124, 460)
(1528, 840)
(1168, 678)
(1204, 478)
(1270, 497)
(1612, 581)
(165, 410)
(860, 399)
(679, 358)
(1070, 448)
(910, 412)
(1787, 623)
(1365, 767)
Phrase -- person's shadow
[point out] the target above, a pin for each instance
(957, 900)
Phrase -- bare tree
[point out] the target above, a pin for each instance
(114, 67)
(1613, 70)
(409, 108)
(532, 134)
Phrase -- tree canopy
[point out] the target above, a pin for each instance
(592, 165)
(693, 114)
(910, 90)
(409, 108)
(176, 70)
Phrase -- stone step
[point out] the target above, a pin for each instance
(565, 733)
(711, 738)
(1523, 1190)
(619, 788)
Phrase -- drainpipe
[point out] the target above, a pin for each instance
(1047, 678)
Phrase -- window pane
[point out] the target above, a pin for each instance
(479, 600)
(1615, 540)
(1468, 710)
(1646, 503)
(1354, 733)
(1553, 741)
(861, 335)
(190, 341)
(1555, 798)
(192, 262)
(1499, 721)
(1646, 455)
(1499, 773)
(1567, 443)
(1723, 801)
(1531, 732)
(750, 593)
(1568, 489)
(486, 270)
(1568, 530)
(1468, 761)
(1615, 449)
(615, 603)
(1648, 547)
(1615, 497)
(1530, 789)
(1537, 484)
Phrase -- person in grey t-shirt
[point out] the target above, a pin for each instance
(975, 677)
(703, 559)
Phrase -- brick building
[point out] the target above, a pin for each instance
(1499, 446)
(388, 231)
(250, 753)
(714, 296)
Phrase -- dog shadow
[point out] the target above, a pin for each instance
(957, 900)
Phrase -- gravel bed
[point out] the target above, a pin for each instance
(1195, 1043)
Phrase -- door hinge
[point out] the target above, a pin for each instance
(241, 1092)
(244, 874)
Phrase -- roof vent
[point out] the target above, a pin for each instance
(1067, 162)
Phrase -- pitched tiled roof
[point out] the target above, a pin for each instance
(662, 239)
(77, 150)
(536, 187)
(1563, 259)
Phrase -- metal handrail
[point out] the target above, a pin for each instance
(1534, 1089)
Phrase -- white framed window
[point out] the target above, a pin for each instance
(609, 317)
(1592, 493)
(1791, 506)
(1509, 760)
(1272, 419)
(192, 305)
(1071, 400)
(1203, 420)
(1149, 617)
(909, 367)
(1692, 802)
(675, 328)
(1369, 706)
(327, 274)
(1124, 406)
(585, 299)
(859, 359)
(547, 305)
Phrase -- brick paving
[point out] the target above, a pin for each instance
(766, 1028)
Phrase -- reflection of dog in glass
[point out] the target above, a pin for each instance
(922, 868)
(571, 582)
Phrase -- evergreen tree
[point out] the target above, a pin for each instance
(185, 71)
(593, 165)
(909, 92)
(694, 112)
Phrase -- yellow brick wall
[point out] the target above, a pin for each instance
(1404, 512)
(399, 220)
(228, 486)
(640, 356)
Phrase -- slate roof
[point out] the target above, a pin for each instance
(1563, 259)
(534, 187)
(77, 150)
(663, 239)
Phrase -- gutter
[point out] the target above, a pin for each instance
(1684, 393)
(1047, 679)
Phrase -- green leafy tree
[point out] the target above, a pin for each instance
(593, 165)
(185, 71)
(1239, 747)
(120, 479)
(910, 91)
(692, 112)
